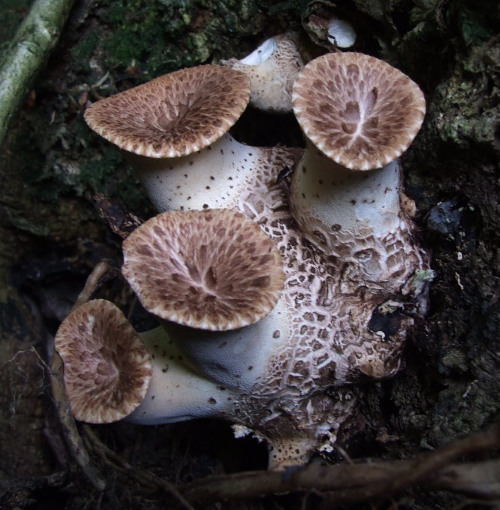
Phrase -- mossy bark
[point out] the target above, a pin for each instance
(51, 233)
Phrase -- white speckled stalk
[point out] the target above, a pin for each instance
(211, 178)
(238, 358)
(334, 205)
(176, 392)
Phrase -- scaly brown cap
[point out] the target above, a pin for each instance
(212, 269)
(107, 369)
(174, 115)
(358, 110)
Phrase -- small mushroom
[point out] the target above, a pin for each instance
(359, 114)
(174, 129)
(107, 369)
(272, 68)
(212, 269)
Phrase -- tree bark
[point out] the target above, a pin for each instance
(27, 54)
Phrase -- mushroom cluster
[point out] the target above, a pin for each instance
(268, 291)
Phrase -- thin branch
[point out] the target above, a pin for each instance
(70, 432)
(117, 462)
(27, 54)
(350, 483)
(93, 280)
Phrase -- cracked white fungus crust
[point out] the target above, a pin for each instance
(212, 269)
(107, 369)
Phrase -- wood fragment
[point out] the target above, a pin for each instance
(27, 53)
(352, 483)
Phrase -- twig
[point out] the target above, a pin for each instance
(27, 53)
(349, 483)
(68, 425)
(92, 282)
(120, 220)
(107, 454)
(70, 432)
(476, 479)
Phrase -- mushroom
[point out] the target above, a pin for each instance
(272, 68)
(174, 129)
(176, 391)
(329, 327)
(354, 278)
(113, 373)
(107, 369)
(213, 269)
(359, 114)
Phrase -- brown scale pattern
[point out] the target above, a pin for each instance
(107, 368)
(212, 269)
(378, 109)
(330, 301)
(157, 119)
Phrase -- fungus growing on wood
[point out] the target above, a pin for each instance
(354, 276)
(113, 373)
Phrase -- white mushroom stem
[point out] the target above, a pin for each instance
(335, 205)
(213, 177)
(272, 68)
(237, 358)
(177, 393)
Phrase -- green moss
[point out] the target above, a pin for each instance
(476, 27)
(108, 174)
(159, 37)
(466, 107)
(82, 52)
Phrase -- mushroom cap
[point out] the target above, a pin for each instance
(173, 115)
(358, 110)
(212, 269)
(107, 368)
